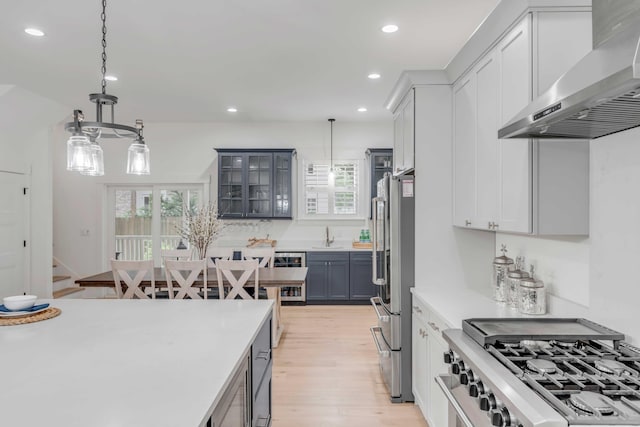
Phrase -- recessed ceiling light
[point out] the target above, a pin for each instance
(34, 32)
(374, 76)
(232, 109)
(362, 109)
(111, 78)
(391, 28)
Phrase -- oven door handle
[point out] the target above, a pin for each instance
(440, 379)
(381, 352)
(375, 301)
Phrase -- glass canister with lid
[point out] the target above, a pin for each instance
(501, 266)
(513, 281)
(532, 296)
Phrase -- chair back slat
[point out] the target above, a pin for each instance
(132, 273)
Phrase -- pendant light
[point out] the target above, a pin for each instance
(332, 174)
(84, 153)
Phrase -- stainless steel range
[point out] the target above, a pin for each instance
(540, 372)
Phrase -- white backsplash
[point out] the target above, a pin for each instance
(236, 233)
(561, 263)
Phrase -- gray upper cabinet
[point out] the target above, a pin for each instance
(255, 183)
(381, 162)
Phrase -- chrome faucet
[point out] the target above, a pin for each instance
(327, 242)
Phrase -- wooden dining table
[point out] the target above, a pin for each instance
(270, 278)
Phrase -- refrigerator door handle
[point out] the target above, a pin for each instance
(375, 301)
(374, 331)
(380, 281)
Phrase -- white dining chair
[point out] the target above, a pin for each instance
(265, 256)
(132, 273)
(185, 274)
(228, 269)
(176, 254)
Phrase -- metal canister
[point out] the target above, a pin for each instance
(513, 281)
(532, 296)
(501, 266)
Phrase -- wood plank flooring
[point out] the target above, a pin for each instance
(326, 374)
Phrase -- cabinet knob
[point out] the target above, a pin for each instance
(495, 225)
(467, 222)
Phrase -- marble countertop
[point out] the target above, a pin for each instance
(456, 304)
(108, 363)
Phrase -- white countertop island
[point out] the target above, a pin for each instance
(124, 363)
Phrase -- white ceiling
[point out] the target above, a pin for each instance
(188, 60)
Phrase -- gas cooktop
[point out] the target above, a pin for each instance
(582, 370)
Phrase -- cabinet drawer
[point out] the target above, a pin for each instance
(327, 256)
(262, 402)
(436, 325)
(261, 353)
(419, 310)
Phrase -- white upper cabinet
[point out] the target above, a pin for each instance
(514, 89)
(486, 75)
(404, 134)
(520, 185)
(464, 152)
(474, 145)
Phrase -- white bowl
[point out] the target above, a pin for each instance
(20, 302)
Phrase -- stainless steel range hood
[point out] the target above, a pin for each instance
(600, 95)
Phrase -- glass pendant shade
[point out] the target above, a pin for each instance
(138, 159)
(78, 153)
(97, 161)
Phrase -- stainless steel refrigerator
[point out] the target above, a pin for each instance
(393, 226)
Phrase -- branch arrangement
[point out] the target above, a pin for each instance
(201, 227)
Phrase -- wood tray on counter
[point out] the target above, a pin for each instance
(362, 245)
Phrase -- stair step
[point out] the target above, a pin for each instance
(66, 291)
(60, 278)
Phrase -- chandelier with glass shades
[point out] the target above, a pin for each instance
(84, 153)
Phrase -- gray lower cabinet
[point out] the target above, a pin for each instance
(247, 400)
(328, 276)
(361, 286)
(261, 377)
(339, 277)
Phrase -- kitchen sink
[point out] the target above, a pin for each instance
(327, 247)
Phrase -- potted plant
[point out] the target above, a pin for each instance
(200, 228)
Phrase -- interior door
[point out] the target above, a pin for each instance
(12, 234)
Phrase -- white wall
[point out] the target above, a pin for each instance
(26, 121)
(185, 153)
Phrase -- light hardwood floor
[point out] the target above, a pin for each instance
(325, 372)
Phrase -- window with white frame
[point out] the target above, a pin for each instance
(324, 197)
(143, 220)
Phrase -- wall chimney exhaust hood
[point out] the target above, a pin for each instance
(598, 96)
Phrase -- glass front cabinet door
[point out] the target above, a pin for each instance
(254, 183)
(380, 162)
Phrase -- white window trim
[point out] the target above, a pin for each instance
(108, 225)
(360, 200)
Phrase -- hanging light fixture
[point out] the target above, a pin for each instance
(84, 153)
(332, 175)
